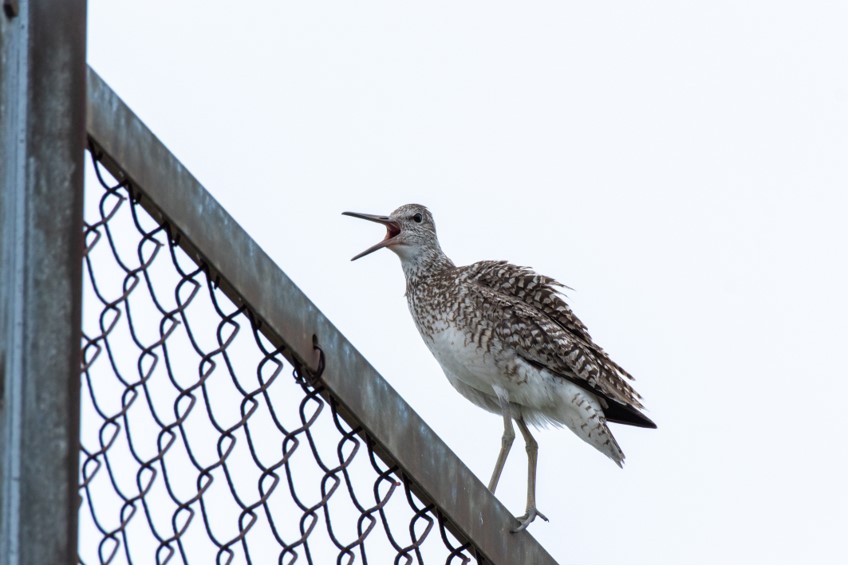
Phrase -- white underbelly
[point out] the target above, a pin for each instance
(483, 377)
(464, 361)
(533, 393)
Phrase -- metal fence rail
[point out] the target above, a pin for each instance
(223, 417)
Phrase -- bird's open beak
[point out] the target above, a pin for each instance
(392, 231)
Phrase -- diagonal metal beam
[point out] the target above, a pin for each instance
(249, 276)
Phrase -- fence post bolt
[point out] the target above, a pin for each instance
(11, 8)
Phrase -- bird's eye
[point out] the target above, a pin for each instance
(418, 218)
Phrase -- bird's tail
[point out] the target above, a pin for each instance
(608, 445)
(581, 411)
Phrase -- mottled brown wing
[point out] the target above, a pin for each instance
(546, 332)
(541, 293)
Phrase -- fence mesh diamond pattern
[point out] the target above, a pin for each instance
(200, 440)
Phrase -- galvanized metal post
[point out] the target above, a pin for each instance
(42, 116)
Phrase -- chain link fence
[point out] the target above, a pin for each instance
(200, 440)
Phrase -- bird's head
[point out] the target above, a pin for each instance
(410, 232)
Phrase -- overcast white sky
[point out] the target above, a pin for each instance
(681, 165)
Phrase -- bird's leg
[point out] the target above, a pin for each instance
(506, 444)
(532, 458)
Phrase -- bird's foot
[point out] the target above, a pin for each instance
(528, 518)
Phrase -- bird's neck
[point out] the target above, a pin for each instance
(423, 263)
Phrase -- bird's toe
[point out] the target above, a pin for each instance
(528, 518)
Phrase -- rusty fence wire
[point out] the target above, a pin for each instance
(200, 441)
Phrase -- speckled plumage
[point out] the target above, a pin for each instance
(509, 342)
(513, 319)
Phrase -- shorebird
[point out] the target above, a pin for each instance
(508, 341)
